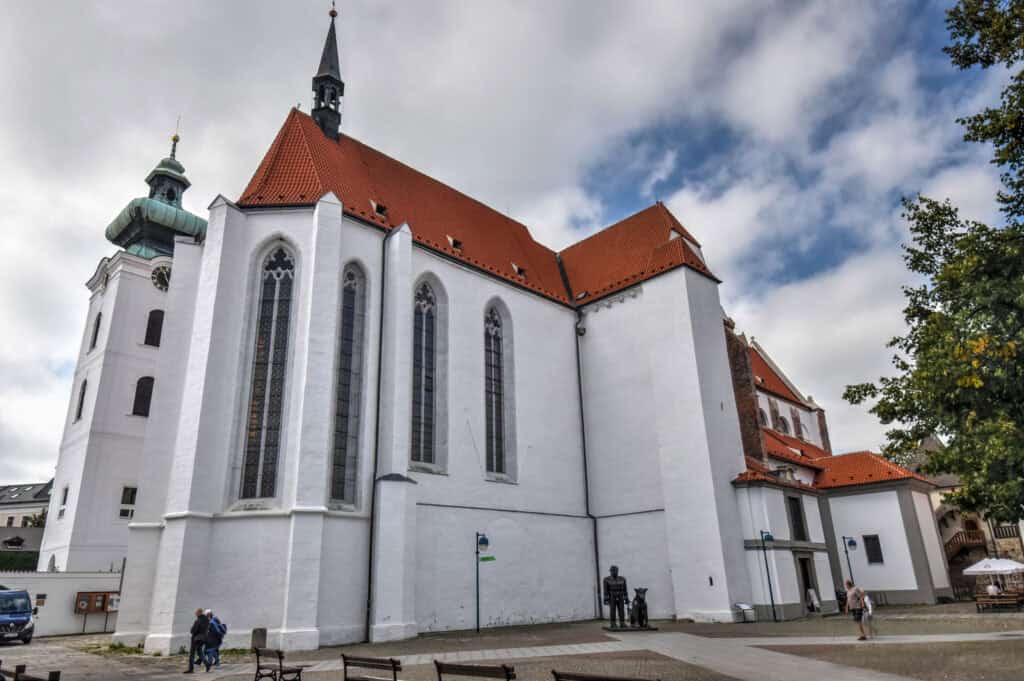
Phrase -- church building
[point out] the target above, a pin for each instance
(301, 410)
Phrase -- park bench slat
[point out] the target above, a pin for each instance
(576, 676)
(503, 671)
(384, 663)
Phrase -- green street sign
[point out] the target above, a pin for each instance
(487, 559)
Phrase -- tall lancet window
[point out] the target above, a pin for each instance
(266, 398)
(348, 401)
(424, 370)
(494, 391)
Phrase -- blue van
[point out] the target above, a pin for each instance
(16, 616)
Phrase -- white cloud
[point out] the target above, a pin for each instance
(661, 171)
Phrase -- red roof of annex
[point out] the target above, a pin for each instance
(303, 164)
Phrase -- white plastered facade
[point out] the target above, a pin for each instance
(647, 387)
(621, 427)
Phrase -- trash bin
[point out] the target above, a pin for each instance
(745, 612)
(259, 637)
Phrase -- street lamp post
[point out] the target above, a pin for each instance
(852, 543)
(767, 536)
(482, 542)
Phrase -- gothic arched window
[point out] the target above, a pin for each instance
(762, 417)
(154, 328)
(266, 396)
(95, 331)
(349, 385)
(424, 369)
(143, 396)
(494, 391)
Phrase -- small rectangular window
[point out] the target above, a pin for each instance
(873, 548)
(10, 521)
(24, 521)
(127, 509)
(64, 497)
(797, 522)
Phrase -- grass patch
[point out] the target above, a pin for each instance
(114, 649)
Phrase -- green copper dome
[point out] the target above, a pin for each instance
(169, 167)
(158, 213)
(147, 226)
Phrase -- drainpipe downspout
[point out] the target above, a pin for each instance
(598, 611)
(376, 434)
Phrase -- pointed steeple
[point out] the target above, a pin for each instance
(328, 88)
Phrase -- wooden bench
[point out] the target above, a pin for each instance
(386, 663)
(266, 669)
(574, 676)
(998, 602)
(19, 674)
(502, 671)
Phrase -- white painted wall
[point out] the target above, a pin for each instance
(57, 616)
(100, 453)
(932, 541)
(878, 513)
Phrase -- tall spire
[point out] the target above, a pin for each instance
(328, 88)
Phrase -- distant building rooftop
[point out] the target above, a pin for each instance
(28, 493)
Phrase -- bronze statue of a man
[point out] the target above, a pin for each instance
(615, 594)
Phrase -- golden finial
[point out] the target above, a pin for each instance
(175, 138)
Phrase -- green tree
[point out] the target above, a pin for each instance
(38, 519)
(959, 370)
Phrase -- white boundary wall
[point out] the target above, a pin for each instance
(57, 616)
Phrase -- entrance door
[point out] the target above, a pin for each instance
(808, 580)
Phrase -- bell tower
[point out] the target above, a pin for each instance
(328, 88)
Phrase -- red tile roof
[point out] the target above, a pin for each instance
(860, 468)
(779, 446)
(775, 441)
(303, 164)
(630, 251)
(766, 378)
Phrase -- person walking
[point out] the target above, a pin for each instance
(855, 607)
(199, 630)
(214, 639)
(869, 616)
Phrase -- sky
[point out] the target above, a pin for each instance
(781, 134)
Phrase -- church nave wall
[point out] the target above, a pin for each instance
(543, 569)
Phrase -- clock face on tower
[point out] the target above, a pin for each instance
(161, 277)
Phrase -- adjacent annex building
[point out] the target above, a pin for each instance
(301, 411)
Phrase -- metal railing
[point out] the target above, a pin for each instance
(1006, 531)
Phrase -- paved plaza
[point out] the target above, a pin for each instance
(669, 655)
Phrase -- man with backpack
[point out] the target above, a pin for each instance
(214, 639)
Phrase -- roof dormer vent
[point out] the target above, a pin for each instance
(454, 243)
(581, 295)
(379, 208)
(521, 271)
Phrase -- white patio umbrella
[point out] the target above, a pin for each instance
(995, 566)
